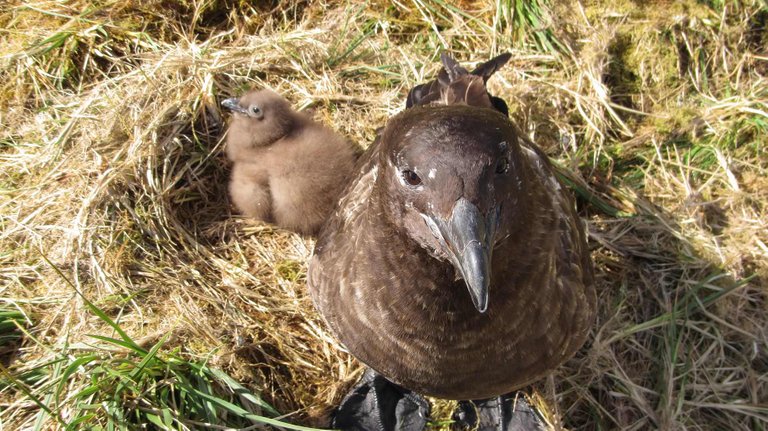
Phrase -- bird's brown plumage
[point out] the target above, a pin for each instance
(287, 169)
(388, 288)
(455, 85)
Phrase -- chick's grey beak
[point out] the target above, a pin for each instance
(469, 237)
(233, 104)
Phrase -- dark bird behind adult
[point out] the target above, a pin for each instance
(287, 169)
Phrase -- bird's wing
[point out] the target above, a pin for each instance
(466, 90)
(572, 251)
(487, 69)
(455, 85)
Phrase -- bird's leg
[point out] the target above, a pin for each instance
(376, 404)
(510, 412)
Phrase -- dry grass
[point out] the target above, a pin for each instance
(112, 173)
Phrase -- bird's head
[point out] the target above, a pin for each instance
(451, 180)
(260, 118)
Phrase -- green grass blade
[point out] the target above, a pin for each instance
(248, 415)
(241, 390)
(71, 369)
(94, 309)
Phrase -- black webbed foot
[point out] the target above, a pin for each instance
(510, 412)
(376, 404)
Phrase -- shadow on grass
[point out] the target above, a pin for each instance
(11, 336)
(674, 329)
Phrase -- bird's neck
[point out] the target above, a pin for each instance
(408, 256)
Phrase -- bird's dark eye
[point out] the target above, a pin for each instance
(411, 177)
(502, 166)
(255, 111)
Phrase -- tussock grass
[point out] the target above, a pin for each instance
(130, 294)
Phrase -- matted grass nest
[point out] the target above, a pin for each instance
(131, 296)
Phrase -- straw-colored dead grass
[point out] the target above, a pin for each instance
(112, 169)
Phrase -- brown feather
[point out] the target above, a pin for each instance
(455, 85)
(487, 69)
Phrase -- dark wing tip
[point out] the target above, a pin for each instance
(452, 67)
(490, 67)
(500, 105)
(414, 96)
(423, 94)
(448, 62)
(503, 58)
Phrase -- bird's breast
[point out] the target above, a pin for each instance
(405, 315)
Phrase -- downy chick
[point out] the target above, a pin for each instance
(287, 169)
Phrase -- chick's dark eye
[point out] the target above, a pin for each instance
(411, 177)
(502, 166)
(256, 111)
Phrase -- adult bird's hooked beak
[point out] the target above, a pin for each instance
(233, 104)
(469, 237)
